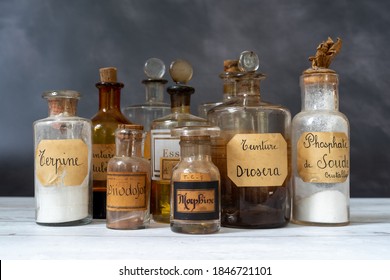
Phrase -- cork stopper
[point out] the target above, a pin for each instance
(108, 75)
(181, 71)
(230, 65)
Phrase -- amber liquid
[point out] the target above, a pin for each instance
(160, 201)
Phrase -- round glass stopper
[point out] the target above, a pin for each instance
(180, 71)
(154, 68)
(248, 62)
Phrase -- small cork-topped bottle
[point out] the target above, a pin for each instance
(154, 106)
(128, 181)
(104, 124)
(165, 149)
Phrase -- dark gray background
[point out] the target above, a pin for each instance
(47, 44)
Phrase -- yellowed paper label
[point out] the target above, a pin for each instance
(257, 160)
(195, 201)
(323, 157)
(198, 177)
(101, 154)
(61, 162)
(126, 191)
(166, 165)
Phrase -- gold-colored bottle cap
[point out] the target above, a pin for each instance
(108, 75)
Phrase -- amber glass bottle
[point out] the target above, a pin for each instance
(104, 124)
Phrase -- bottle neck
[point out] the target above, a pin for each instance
(195, 148)
(180, 98)
(319, 92)
(229, 89)
(129, 145)
(248, 84)
(109, 96)
(154, 90)
(62, 106)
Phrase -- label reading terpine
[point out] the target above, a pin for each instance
(196, 200)
(257, 160)
(126, 191)
(323, 157)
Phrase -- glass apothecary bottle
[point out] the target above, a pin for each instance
(128, 181)
(63, 163)
(229, 87)
(104, 124)
(320, 146)
(195, 184)
(252, 154)
(154, 106)
(165, 149)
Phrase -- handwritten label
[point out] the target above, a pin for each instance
(167, 164)
(61, 162)
(323, 157)
(101, 154)
(196, 200)
(257, 160)
(126, 191)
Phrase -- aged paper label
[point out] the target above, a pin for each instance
(202, 177)
(126, 191)
(101, 154)
(257, 160)
(323, 157)
(61, 162)
(166, 165)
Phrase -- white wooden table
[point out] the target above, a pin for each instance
(367, 237)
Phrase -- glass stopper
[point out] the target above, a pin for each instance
(154, 68)
(248, 62)
(180, 71)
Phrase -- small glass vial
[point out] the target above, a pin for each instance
(104, 124)
(195, 184)
(229, 87)
(165, 149)
(63, 163)
(154, 106)
(128, 182)
(320, 150)
(252, 154)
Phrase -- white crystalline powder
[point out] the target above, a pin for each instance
(328, 206)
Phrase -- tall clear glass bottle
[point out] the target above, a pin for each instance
(104, 124)
(229, 87)
(320, 147)
(252, 154)
(165, 149)
(154, 106)
(195, 184)
(63, 163)
(128, 182)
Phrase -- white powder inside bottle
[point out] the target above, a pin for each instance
(329, 206)
(60, 204)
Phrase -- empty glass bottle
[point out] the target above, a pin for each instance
(63, 163)
(128, 182)
(252, 154)
(165, 149)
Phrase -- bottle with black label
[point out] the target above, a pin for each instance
(252, 153)
(128, 181)
(165, 148)
(320, 146)
(195, 184)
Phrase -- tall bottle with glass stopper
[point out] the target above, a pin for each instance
(63, 163)
(104, 124)
(195, 184)
(154, 106)
(320, 146)
(165, 149)
(252, 154)
(229, 87)
(128, 181)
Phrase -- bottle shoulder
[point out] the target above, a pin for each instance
(109, 117)
(178, 119)
(62, 119)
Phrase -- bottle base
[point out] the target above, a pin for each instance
(195, 228)
(161, 219)
(81, 222)
(319, 224)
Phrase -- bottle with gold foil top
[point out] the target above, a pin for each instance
(63, 163)
(104, 124)
(195, 184)
(154, 106)
(252, 154)
(320, 146)
(229, 87)
(165, 149)
(128, 181)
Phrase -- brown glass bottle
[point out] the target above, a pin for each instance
(104, 124)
